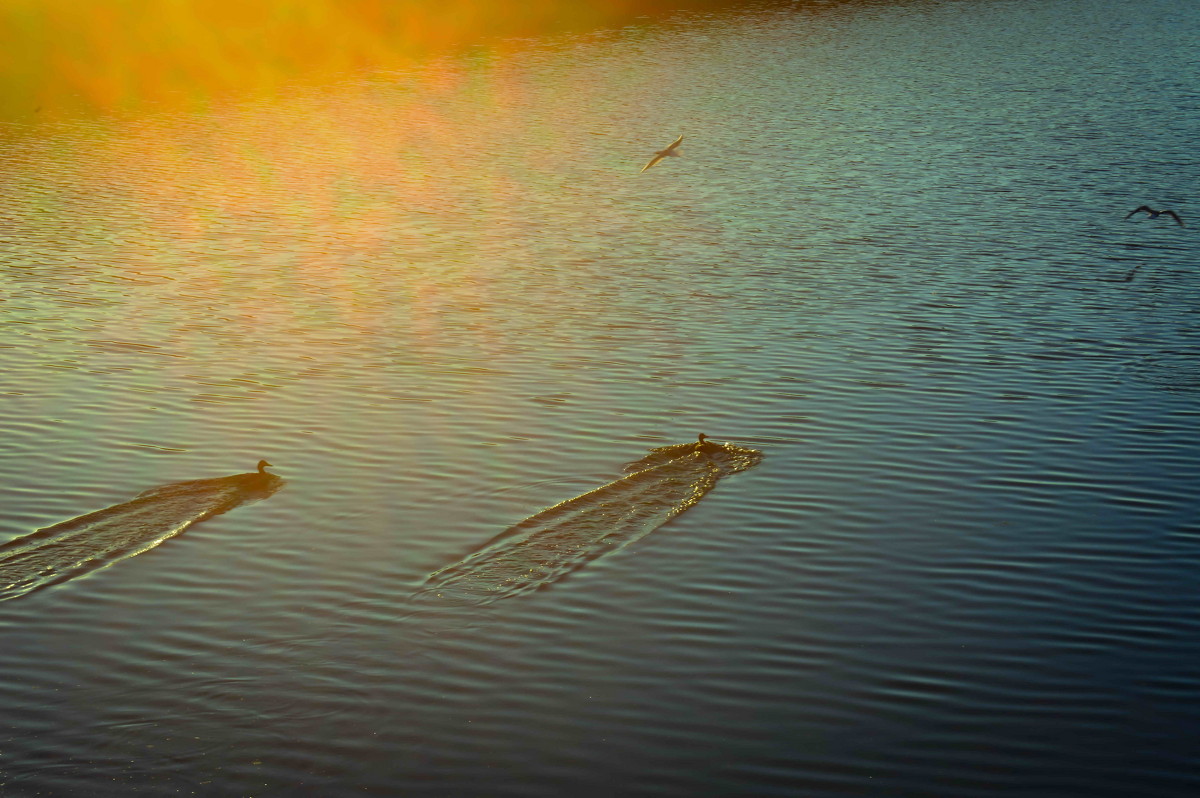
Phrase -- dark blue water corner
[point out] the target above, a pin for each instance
(550, 545)
(79, 546)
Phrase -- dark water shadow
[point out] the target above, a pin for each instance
(81, 545)
(548, 546)
(1175, 370)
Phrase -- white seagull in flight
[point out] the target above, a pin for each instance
(658, 156)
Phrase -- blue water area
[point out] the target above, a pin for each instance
(892, 256)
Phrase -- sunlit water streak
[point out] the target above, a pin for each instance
(892, 258)
(81, 545)
(549, 545)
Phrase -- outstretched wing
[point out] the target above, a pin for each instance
(1174, 216)
(658, 156)
(674, 143)
(1139, 209)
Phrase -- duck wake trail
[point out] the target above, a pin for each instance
(549, 545)
(81, 545)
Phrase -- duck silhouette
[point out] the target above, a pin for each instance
(254, 481)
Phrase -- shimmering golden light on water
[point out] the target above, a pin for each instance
(113, 54)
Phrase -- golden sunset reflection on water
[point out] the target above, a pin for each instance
(438, 293)
(293, 194)
(63, 56)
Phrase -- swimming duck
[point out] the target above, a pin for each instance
(1155, 214)
(705, 446)
(663, 153)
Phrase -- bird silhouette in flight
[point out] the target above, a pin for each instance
(663, 153)
(1155, 214)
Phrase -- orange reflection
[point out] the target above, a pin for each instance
(347, 208)
(105, 55)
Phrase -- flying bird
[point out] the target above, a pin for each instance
(664, 153)
(1155, 214)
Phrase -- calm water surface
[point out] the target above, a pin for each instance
(892, 259)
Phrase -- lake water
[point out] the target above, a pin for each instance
(892, 258)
